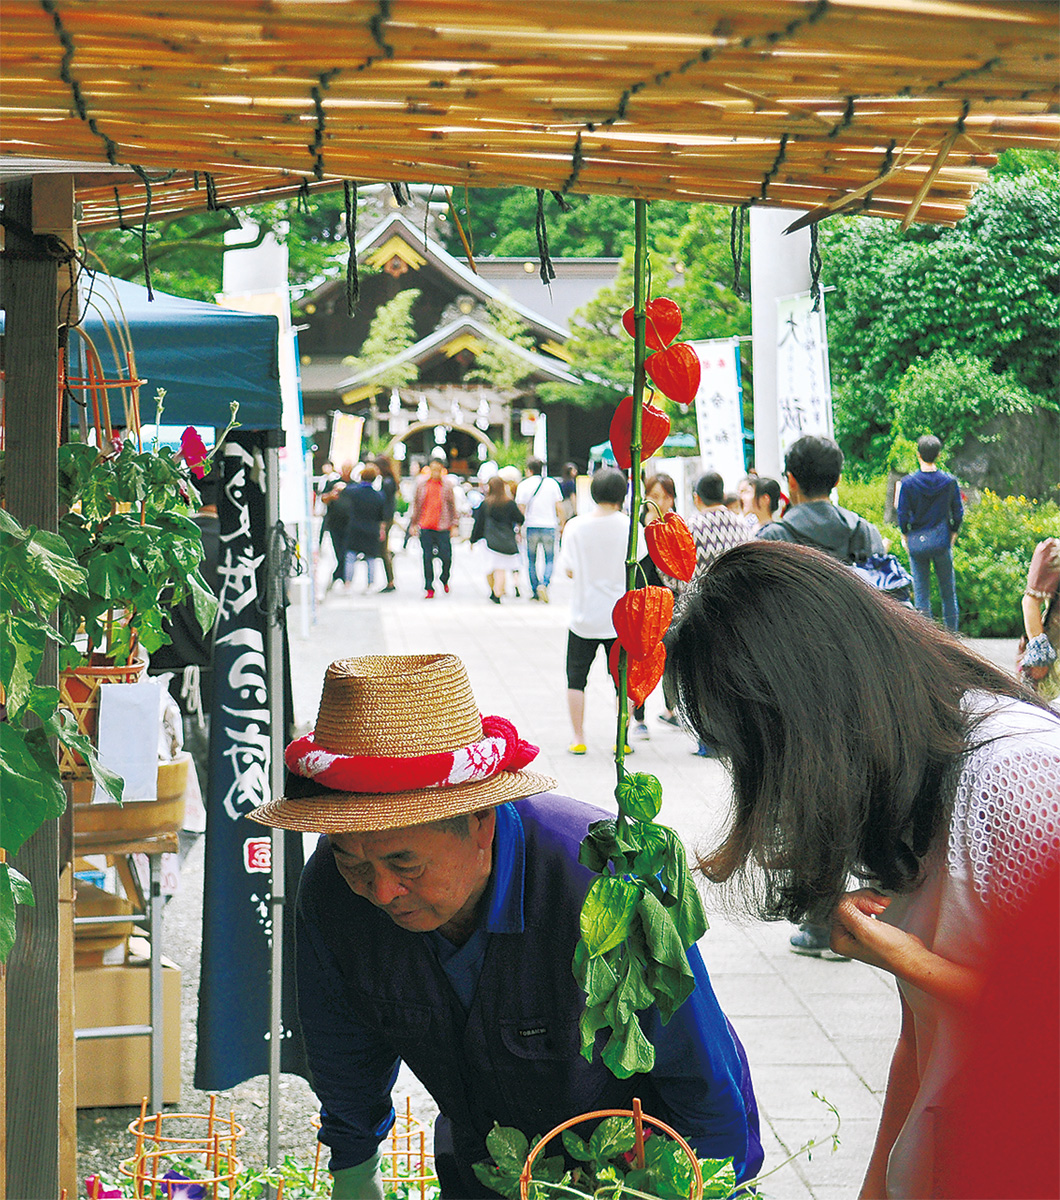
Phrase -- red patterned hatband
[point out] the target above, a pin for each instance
(501, 749)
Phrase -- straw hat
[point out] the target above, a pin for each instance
(399, 741)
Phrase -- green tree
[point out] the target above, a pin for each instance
(496, 364)
(956, 396)
(987, 287)
(692, 265)
(389, 335)
(502, 222)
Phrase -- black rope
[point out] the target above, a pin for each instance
(885, 170)
(376, 25)
(770, 175)
(353, 283)
(316, 147)
(143, 232)
(845, 120)
(575, 164)
(564, 204)
(402, 197)
(122, 224)
(67, 42)
(815, 268)
(302, 199)
(736, 224)
(195, 180)
(547, 272)
(211, 193)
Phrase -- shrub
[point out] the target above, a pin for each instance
(990, 558)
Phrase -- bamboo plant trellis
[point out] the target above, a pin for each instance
(901, 104)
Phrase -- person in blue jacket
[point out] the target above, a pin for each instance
(437, 922)
(929, 515)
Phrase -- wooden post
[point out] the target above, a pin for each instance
(32, 283)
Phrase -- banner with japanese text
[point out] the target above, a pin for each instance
(234, 991)
(804, 387)
(719, 409)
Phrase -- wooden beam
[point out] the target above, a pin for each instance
(29, 292)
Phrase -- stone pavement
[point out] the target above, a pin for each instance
(808, 1025)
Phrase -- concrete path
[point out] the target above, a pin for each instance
(808, 1025)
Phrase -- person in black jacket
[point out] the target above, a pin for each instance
(497, 520)
(367, 511)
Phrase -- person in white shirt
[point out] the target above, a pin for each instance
(593, 554)
(541, 502)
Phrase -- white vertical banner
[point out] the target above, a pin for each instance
(804, 386)
(719, 408)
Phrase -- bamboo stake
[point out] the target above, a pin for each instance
(925, 187)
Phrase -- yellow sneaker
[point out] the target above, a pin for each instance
(629, 749)
(577, 748)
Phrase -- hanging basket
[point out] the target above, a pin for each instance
(639, 1120)
(79, 692)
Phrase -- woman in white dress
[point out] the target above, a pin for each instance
(864, 740)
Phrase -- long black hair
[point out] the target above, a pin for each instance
(840, 713)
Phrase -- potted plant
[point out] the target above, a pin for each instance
(126, 550)
(127, 521)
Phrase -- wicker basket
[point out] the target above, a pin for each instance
(79, 692)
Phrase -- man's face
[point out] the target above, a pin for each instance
(422, 877)
(437, 469)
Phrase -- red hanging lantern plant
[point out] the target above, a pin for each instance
(641, 618)
(655, 427)
(676, 372)
(661, 325)
(671, 546)
(642, 674)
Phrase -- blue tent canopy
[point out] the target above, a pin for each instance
(204, 356)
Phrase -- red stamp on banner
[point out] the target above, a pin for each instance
(257, 855)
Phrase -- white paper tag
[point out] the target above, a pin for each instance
(129, 715)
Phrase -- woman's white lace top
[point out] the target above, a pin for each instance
(1004, 830)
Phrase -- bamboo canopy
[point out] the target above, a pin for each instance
(895, 108)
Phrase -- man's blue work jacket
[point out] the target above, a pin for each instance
(491, 1029)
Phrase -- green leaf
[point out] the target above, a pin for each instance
(669, 975)
(651, 858)
(628, 1052)
(501, 1182)
(575, 1146)
(7, 913)
(598, 845)
(670, 1168)
(204, 602)
(689, 917)
(64, 727)
(20, 660)
(508, 1147)
(633, 993)
(30, 789)
(613, 1136)
(639, 796)
(607, 912)
(719, 1178)
(592, 1020)
(21, 887)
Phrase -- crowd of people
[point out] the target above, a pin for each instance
(894, 795)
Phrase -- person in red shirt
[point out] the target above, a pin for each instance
(434, 515)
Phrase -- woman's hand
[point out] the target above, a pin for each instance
(857, 934)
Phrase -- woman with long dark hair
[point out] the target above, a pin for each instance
(497, 520)
(863, 740)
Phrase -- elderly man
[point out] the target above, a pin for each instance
(437, 922)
